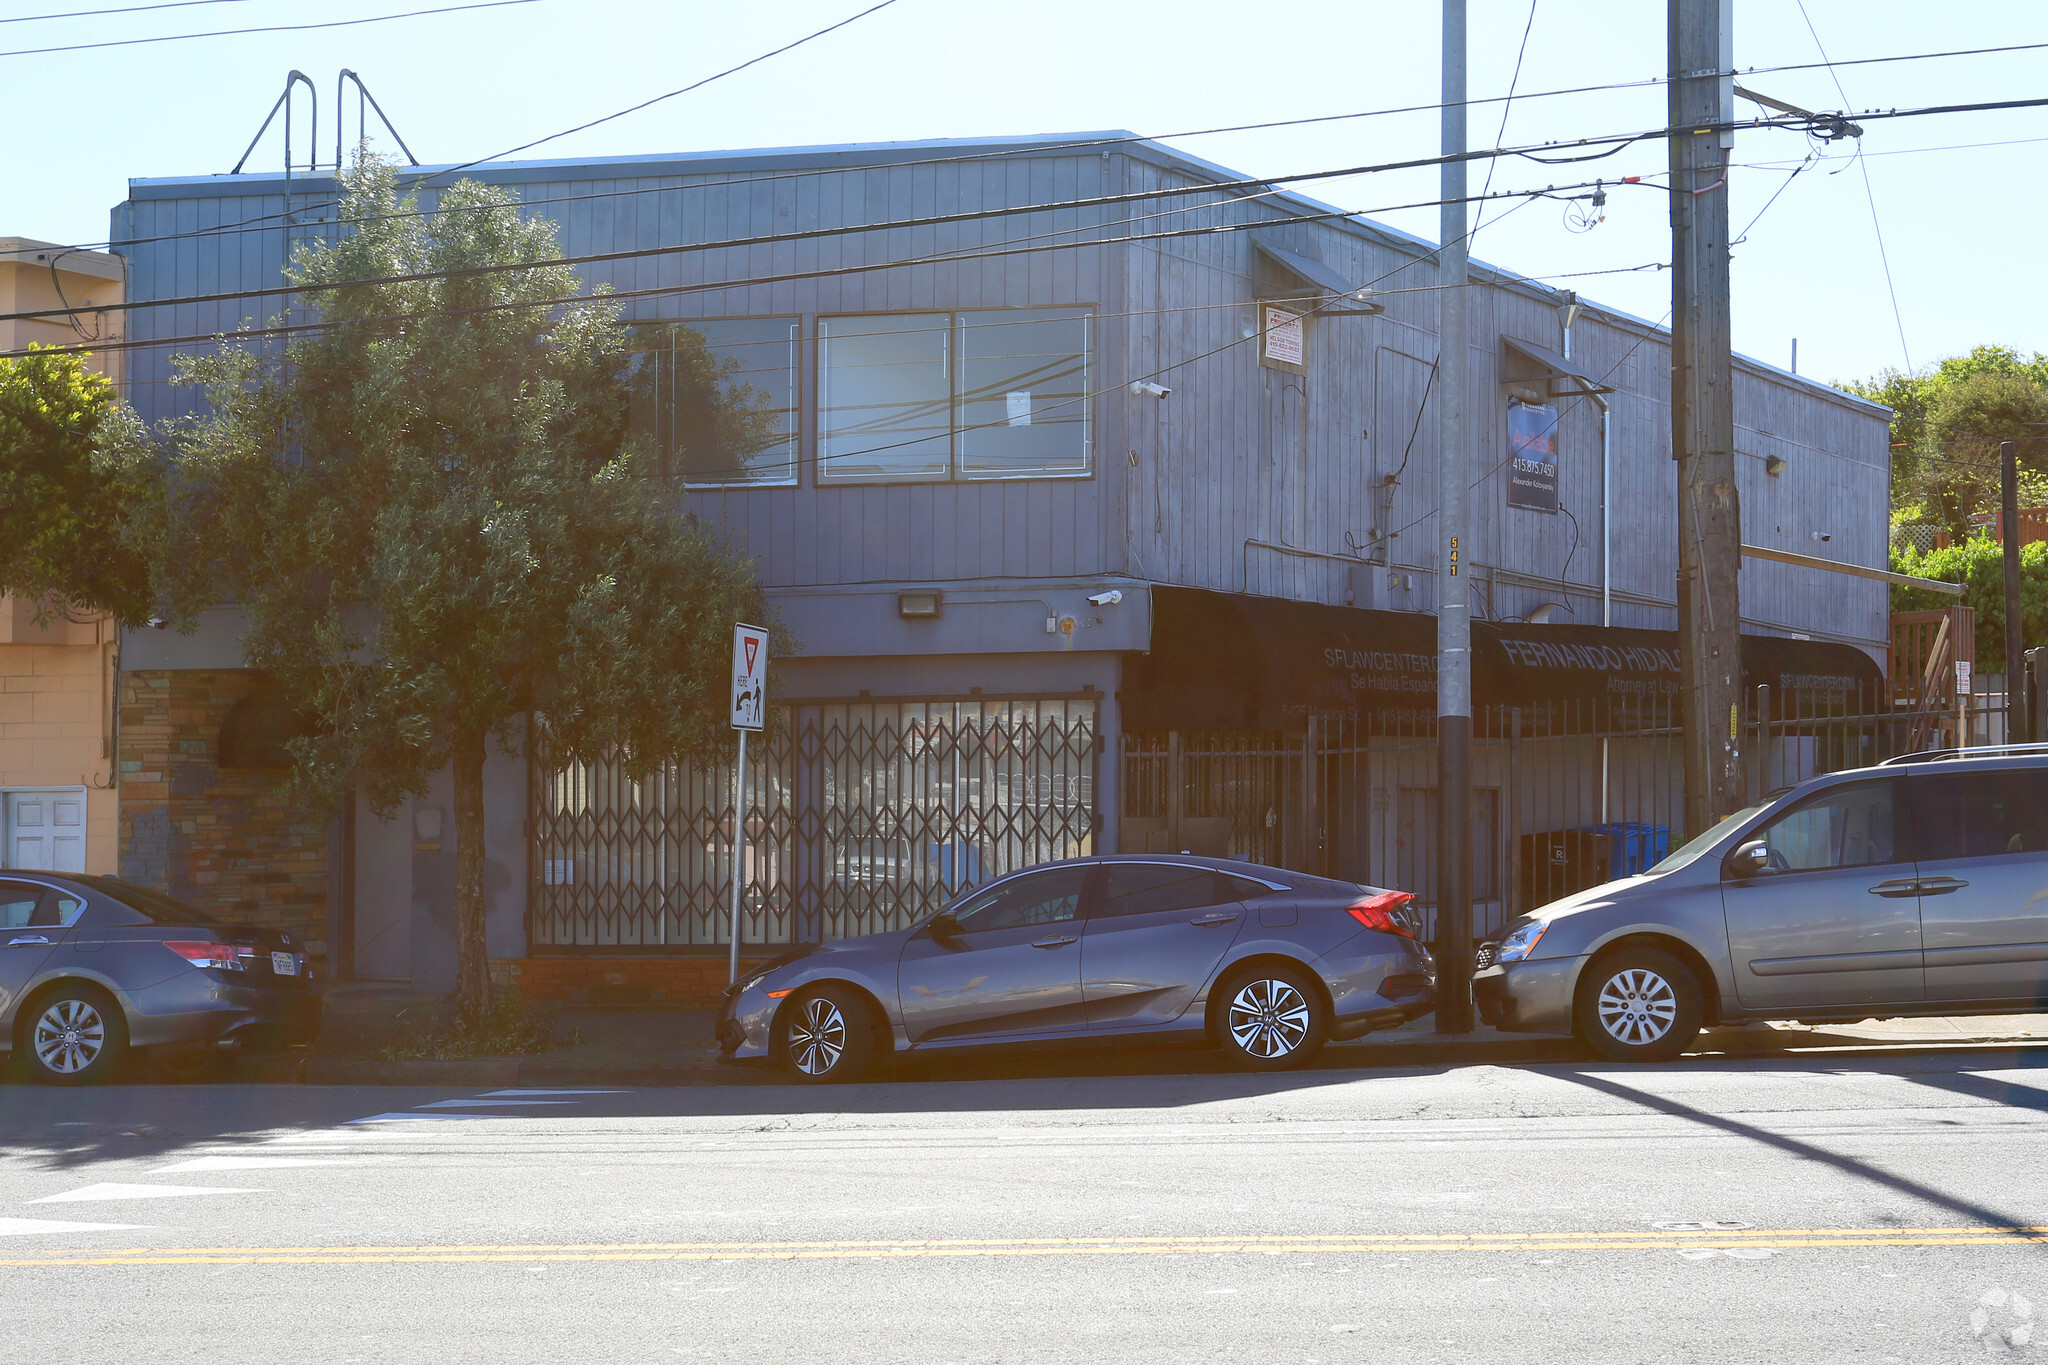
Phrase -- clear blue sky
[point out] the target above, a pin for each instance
(1961, 225)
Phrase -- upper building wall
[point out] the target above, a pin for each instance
(1248, 478)
(81, 279)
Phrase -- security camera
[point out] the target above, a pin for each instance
(1822, 535)
(157, 623)
(1107, 599)
(1144, 387)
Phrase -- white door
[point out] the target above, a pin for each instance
(46, 830)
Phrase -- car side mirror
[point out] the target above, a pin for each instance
(1750, 858)
(944, 926)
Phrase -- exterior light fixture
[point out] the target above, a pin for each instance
(1774, 466)
(919, 606)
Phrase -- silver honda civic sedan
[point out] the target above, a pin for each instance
(1265, 964)
(1917, 887)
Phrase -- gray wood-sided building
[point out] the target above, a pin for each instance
(1028, 390)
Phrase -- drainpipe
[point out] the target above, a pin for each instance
(1571, 314)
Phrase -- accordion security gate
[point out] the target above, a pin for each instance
(861, 817)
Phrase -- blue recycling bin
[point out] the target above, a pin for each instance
(1635, 847)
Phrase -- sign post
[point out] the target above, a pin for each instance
(749, 706)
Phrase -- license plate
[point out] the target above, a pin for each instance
(283, 964)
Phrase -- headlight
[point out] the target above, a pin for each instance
(1522, 942)
(748, 983)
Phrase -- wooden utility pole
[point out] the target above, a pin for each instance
(1453, 587)
(1702, 103)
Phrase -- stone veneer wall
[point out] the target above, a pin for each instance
(225, 841)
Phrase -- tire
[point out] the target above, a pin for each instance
(1270, 1018)
(75, 1035)
(1638, 1005)
(825, 1036)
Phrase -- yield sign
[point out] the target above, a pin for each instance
(749, 676)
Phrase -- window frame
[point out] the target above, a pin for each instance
(795, 434)
(1083, 902)
(1917, 796)
(820, 463)
(1903, 850)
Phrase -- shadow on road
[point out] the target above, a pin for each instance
(1806, 1151)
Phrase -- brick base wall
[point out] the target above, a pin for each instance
(225, 841)
(695, 982)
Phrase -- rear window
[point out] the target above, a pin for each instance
(155, 905)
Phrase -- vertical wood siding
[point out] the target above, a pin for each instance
(1247, 479)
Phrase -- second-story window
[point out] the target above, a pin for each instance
(717, 399)
(930, 397)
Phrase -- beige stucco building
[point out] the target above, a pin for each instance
(57, 799)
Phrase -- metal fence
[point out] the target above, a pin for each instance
(861, 817)
(1566, 794)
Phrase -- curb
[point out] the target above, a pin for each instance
(1439, 1052)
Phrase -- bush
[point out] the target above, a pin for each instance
(1979, 565)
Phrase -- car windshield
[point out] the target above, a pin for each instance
(1694, 847)
(159, 907)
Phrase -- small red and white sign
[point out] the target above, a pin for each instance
(1284, 336)
(749, 676)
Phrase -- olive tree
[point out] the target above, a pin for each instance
(438, 521)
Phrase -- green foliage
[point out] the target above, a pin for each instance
(1946, 427)
(74, 465)
(436, 521)
(1979, 565)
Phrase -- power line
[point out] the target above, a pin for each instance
(696, 85)
(1501, 135)
(126, 9)
(1615, 142)
(267, 28)
(257, 222)
(1869, 195)
(711, 286)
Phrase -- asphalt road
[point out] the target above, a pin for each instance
(1792, 1209)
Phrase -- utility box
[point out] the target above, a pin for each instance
(1635, 847)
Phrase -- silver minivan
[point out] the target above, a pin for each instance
(1918, 887)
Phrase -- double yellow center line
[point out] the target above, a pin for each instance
(1333, 1244)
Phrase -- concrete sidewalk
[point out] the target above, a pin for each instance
(656, 1046)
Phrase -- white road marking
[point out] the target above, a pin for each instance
(485, 1104)
(379, 1118)
(21, 1227)
(99, 1192)
(496, 1094)
(246, 1163)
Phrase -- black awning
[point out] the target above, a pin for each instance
(1229, 661)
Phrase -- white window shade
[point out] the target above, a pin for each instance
(885, 398)
(929, 397)
(1023, 394)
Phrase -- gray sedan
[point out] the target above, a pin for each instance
(1918, 887)
(1266, 964)
(91, 967)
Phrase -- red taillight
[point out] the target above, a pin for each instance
(1386, 912)
(219, 956)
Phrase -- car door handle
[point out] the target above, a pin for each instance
(1897, 888)
(1215, 919)
(1056, 941)
(1941, 886)
(33, 938)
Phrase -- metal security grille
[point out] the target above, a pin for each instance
(861, 817)
(1566, 793)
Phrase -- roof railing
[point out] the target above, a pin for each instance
(1975, 751)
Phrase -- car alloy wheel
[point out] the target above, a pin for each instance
(1637, 1007)
(817, 1036)
(69, 1036)
(1268, 1018)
